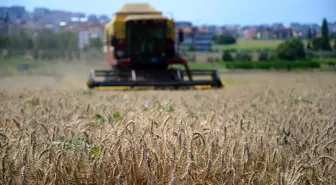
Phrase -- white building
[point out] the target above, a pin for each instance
(83, 39)
(85, 35)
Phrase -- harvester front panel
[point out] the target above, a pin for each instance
(172, 79)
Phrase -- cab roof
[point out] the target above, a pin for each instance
(145, 17)
(137, 8)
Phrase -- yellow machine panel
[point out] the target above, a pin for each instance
(116, 26)
(171, 29)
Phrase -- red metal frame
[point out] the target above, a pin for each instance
(111, 60)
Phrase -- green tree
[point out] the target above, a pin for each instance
(48, 40)
(25, 40)
(214, 38)
(191, 48)
(96, 43)
(19, 43)
(317, 43)
(291, 50)
(243, 56)
(335, 43)
(4, 41)
(309, 34)
(68, 44)
(226, 39)
(263, 55)
(314, 33)
(309, 46)
(226, 56)
(325, 45)
(50, 45)
(309, 37)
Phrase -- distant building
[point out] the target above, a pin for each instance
(4, 24)
(249, 33)
(78, 14)
(55, 27)
(197, 38)
(13, 12)
(332, 28)
(104, 18)
(60, 16)
(264, 34)
(83, 38)
(84, 35)
(210, 28)
(183, 24)
(93, 18)
(203, 40)
(230, 30)
(3, 11)
(34, 26)
(301, 30)
(41, 11)
(284, 33)
(16, 12)
(277, 26)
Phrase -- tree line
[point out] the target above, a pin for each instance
(322, 42)
(314, 42)
(45, 44)
(290, 49)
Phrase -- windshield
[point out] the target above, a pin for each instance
(146, 37)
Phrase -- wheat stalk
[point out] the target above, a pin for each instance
(235, 141)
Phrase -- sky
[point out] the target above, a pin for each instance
(219, 12)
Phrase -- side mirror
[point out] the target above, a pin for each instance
(180, 36)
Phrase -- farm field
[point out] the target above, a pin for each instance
(252, 45)
(247, 44)
(263, 128)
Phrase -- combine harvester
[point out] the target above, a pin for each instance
(140, 50)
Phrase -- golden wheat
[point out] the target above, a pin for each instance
(276, 130)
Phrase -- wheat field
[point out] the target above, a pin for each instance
(275, 128)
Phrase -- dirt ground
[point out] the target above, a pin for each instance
(230, 79)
